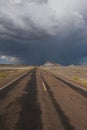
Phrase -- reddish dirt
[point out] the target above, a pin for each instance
(10, 77)
(39, 101)
(72, 103)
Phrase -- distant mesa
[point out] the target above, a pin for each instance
(51, 64)
(71, 65)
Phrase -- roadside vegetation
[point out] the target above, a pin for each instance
(5, 73)
(76, 73)
(2, 75)
(83, 81)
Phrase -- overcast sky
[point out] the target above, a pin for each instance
(36, 31)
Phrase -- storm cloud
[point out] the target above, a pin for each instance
(34, 31)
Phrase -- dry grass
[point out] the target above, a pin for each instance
(76, 78)
(2, 75)
(5, 73)
(76, 73)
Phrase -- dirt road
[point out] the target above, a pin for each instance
(41, 101)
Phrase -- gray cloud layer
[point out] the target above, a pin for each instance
(40, 30)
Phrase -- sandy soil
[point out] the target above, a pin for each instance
(39, 101)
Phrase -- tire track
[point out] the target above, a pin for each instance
(10, 106)
(70, 85)
(30, 116)
(63, 118)
(6, 90)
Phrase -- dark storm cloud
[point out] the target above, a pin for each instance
(26, 19)
(34, 31)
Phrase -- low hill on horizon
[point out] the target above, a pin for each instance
(51, 64)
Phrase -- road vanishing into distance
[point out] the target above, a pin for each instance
(40, 100)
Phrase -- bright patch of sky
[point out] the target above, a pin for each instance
(8, 60)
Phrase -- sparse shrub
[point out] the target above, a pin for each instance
(2, 75)
(76, 78)
(84, 82)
